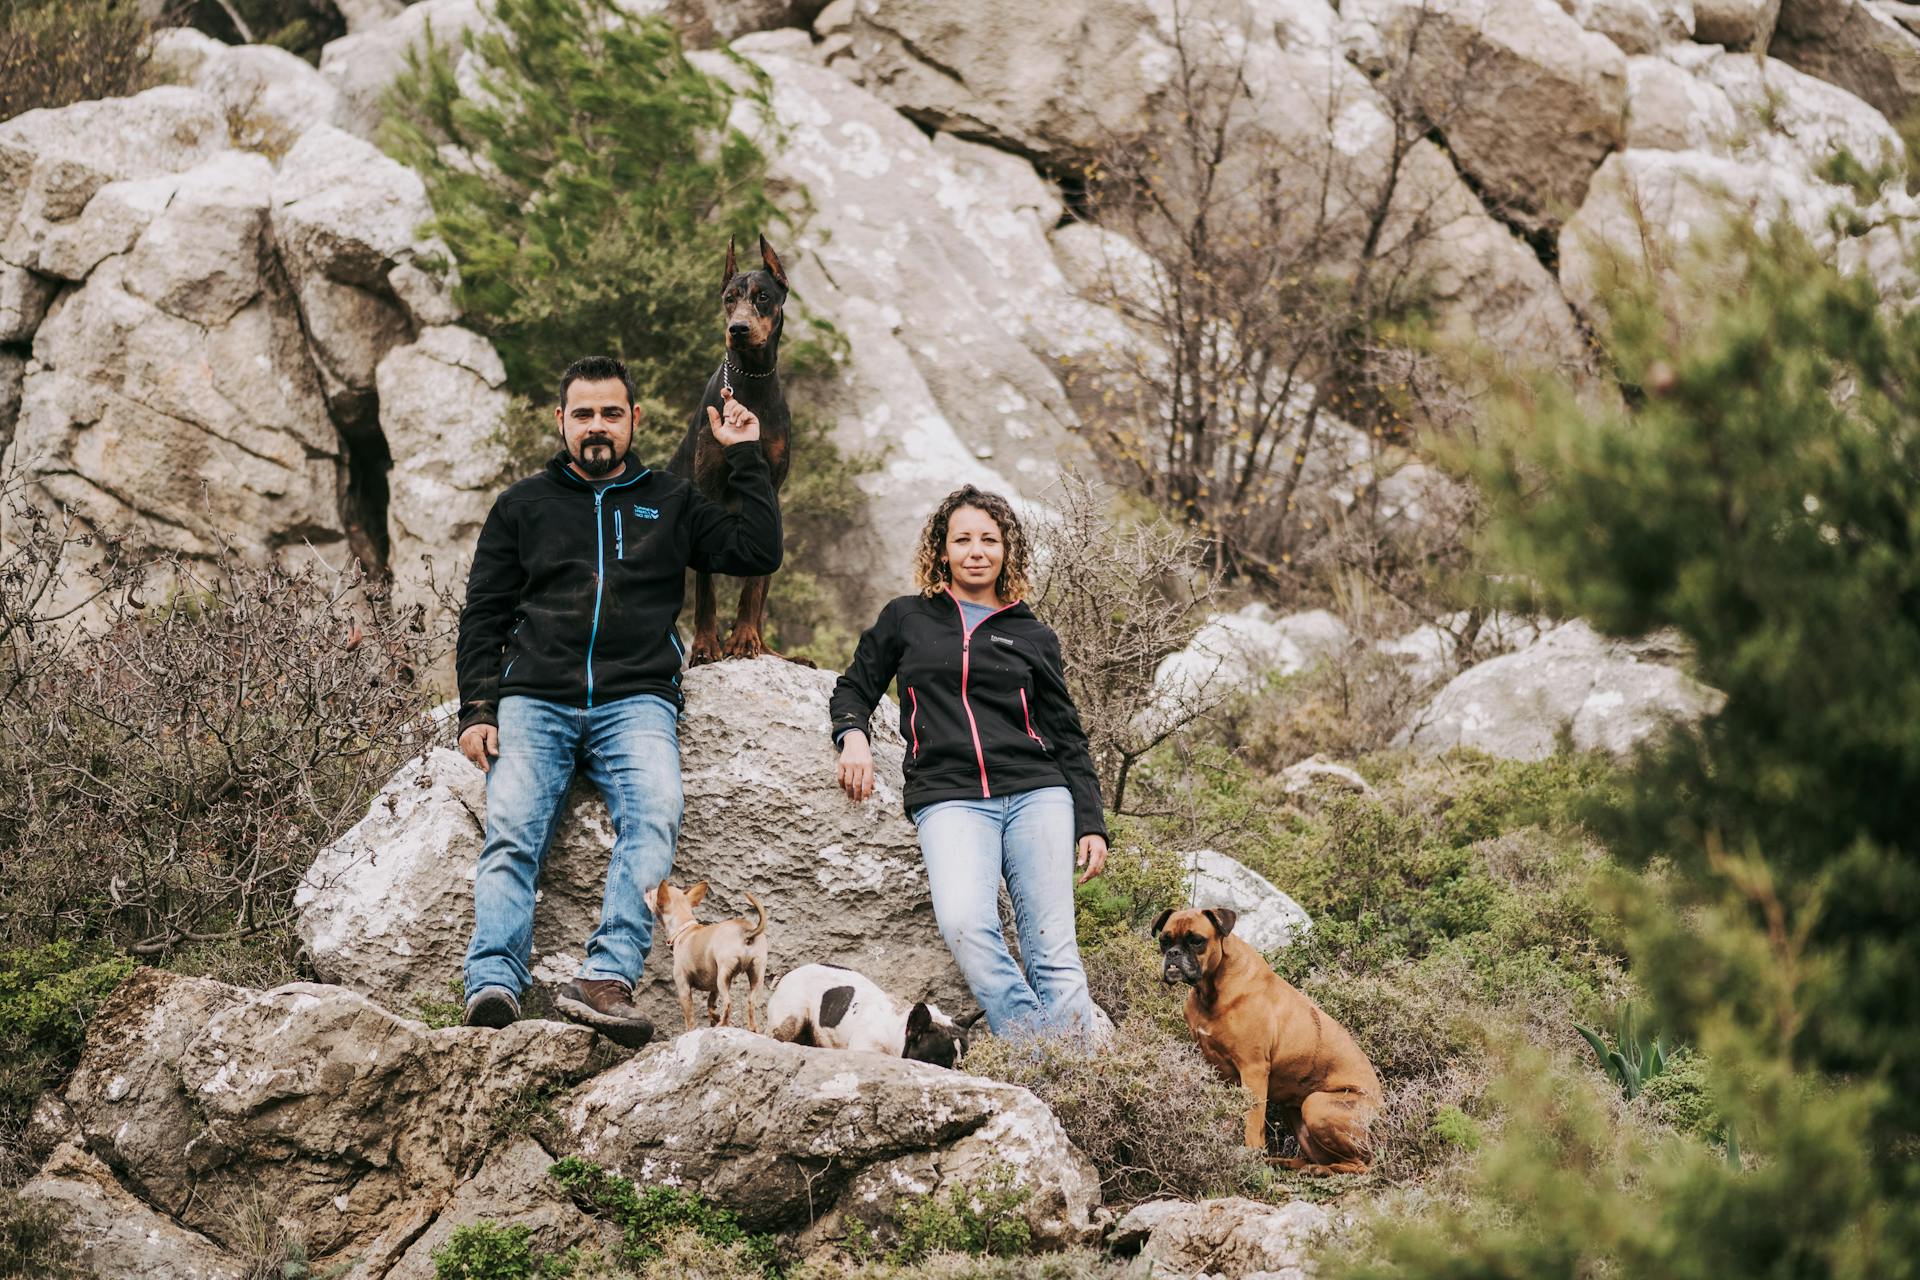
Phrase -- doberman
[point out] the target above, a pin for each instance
(753, 304)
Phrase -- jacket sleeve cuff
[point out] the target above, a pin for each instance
(735, 454)
(473, 713)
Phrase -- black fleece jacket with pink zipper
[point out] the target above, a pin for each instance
(984, 715)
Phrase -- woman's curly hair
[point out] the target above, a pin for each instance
(930, 570)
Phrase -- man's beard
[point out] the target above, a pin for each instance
(596, 456)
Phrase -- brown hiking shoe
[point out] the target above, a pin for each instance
(606, 1005)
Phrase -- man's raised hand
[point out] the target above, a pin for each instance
(733, 423)
(480, 743)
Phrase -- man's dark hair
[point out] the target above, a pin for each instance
(595, 369)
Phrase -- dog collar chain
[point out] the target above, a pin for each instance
(727, 371)
(681, 932)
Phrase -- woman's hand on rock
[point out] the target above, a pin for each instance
(1092, 854)
(856, 766)
(480, 743)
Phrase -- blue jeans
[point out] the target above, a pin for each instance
(630, 750)
(968, 846)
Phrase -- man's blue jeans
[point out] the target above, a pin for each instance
(630, 750)
(968, 846)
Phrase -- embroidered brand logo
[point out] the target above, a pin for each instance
(647, 513)
(1003, 640)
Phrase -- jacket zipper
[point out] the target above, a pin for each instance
(600, 569)
(1025, 711)
(619, 537)
(966, 664)
(913, 720)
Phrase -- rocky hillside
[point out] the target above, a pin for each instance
(216, 318)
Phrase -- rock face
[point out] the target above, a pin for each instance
(115, 1233)
(211, 279)
(1528, 101)
(930, 257)
(1599, 695)
(1269, 919)
(806, 1139)
(1235, 650)
(388, 909)
(306, 1103)
(1230, 1237)
(1855, 45)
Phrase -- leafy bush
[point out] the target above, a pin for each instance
(486, 1251)
(56, 52)
(166, 776)
(647, 1217)
(1069, 1264)
(1756, 493)
(36, 1241)
(46, 995)
(1153, 1117)
(983, 1219)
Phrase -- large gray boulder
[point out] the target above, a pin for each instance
(810, 1140)
(1736, 24)
(270, 96)
(1529, 103)
(1232, 1237)
(442, 401)
(1269, 919)
(1855, 45)
(388, 910)
(307, 1104)
(1571, 685)
(115, 1234)
(52, 162)
(1637, 26)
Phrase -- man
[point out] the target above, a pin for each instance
(568, 660)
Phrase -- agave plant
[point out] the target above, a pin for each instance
(1638, 1059)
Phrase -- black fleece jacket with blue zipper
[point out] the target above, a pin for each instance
(983, 715)
(576, 585)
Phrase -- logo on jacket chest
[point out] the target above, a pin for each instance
(646, 513)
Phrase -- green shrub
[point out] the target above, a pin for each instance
(648, 1216)
(35, 1241)
(983, 1219)
(47, 994)
(56, 52)
(1681, 1097)
(1755, 492)
(1153, 1117)
(486, 1251)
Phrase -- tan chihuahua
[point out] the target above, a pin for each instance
(711, 956)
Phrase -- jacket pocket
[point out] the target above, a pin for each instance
(1028, 713)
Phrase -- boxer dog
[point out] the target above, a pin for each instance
(835, 1008)
(1259, 1032)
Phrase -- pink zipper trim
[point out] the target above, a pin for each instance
(1029, 715)
(966, 664)
(913, 721)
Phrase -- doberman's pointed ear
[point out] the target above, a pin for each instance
(919, 1020)
(1160, 922)
(728, 279)
(966, 1023)
(698, 894)
(772, 261)
(1222, 919)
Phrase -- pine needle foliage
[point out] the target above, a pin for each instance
(585, 178)
(1759, 492)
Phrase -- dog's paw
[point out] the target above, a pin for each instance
(746, 643)
(703, 652)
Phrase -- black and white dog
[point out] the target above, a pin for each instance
(836, 1008)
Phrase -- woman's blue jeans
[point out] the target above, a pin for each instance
(1027, 839)
(630, 750)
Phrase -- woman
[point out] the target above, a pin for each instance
(999, 780)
